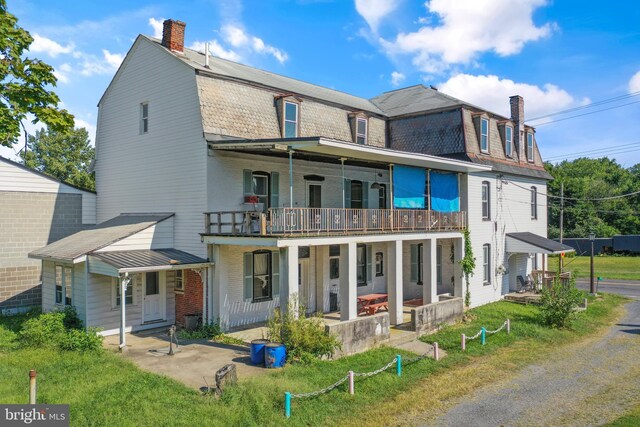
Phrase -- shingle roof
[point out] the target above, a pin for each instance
(103, 234)
(414, 99)
(235, 70)
(148, 258)
(514, 169)
(540, 242)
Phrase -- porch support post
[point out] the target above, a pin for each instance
(348, 282)
(391, 184)
(395, 282)
(322, 278)
(458, 247)
(290, 178)
(124, 280)
(429, 279)
(289, 279)
(219, 310)
(342, 159)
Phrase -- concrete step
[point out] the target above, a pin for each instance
(420, 348)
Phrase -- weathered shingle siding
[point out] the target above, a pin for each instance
(165, 169)
(435, 134)
(245, 111)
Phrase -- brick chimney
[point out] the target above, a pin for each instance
(173, 35)
(517, 116)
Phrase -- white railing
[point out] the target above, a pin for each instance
(332, 221)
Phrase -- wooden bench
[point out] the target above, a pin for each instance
(373, 308)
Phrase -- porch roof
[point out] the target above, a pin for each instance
(150, 260)
(336, 149)
(104, 234)
(526, 242)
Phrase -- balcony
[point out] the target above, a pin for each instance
(330, 221)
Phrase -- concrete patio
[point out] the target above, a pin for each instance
(194, 359)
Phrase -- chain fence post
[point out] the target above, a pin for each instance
(399, 365)
(436, 351)
(508, 326)
(463, 342)
(483, 335)
(287, 404)
(351, 384)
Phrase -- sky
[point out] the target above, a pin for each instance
(558, 55)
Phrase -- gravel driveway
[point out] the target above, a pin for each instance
(586, 384)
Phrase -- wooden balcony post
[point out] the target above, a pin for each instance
(207, 223)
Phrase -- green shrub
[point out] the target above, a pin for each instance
(71, 319)
(304, 337)
(46, 330)
(559, 302)
(81, 340)
(8, 339)
(203, 332)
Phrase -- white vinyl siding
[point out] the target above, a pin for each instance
(158, 236)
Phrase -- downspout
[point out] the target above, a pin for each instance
(291, 178)
(428, 189)
(391, 186)
(342, 159)
(124, 282)
(85, 318)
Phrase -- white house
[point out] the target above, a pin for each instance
(287, 191)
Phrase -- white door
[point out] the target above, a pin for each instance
(153, 296)
(306, 293)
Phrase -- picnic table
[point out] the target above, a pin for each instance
(371, 303)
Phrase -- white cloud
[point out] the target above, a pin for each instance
(156, 25)
(397, 78)
(47, 46)
(493, 93)
(235, 36)
(216, 49)
(240, 39)
(467, 28)
(92, 65)
(62, 73)
(374, 10)
(634, 83)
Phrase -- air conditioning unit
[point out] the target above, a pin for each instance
(251, 199)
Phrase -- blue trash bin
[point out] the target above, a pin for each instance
(257, 351)
(275, 355)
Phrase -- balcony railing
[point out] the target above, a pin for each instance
(330, 221)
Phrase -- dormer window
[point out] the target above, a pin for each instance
(529, 146)
(361, 131)
(484, 135)
(290, 119)
(508, 141)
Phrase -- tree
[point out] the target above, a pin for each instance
(468, 265)
(24, 84)
(65, 156)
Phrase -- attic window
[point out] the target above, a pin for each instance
(508, 141)
(361, 131)
(290, 119)
(484, 135)
(529, 147)
(144, 117)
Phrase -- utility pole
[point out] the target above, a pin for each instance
(592, 288)
(560, 262)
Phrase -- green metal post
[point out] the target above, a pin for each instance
(399, 365)
(287, 404)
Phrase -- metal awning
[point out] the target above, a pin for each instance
(526, 242)
(324, 147)
(150, 260)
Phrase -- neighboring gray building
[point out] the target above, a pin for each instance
(35, 210)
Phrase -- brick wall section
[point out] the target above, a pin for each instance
(30, 221)
(189, 301)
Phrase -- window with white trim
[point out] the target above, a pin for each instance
(416, 263)
(486, 263)
(291, 119)
(486, 201)
(508, 141)
(363, 264)
(144, 117)
(534, 203)
(334, 262)
(115, 294)
(261, 275)
(484, 135)
(529, 147)
(180, 279)
(63, 285)
(361, 131)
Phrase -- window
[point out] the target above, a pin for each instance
(534, 203)
(290, 120)
(179, 286)
(486, 263)
(361, 131)
(334, 262)
(260, 187)
(382, 196)
(508, 141)
(128, 295)
(64, 283)
(416, 263)
(263, 185)
(144, 117)
(486, 201)
(261, 275)
(484, 135)
(379, 264)
(529, 147)
(315, 196)
(356, 195)
(361, 267)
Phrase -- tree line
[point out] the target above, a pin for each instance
(586, 179)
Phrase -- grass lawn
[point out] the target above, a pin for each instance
(607, 267)
(630, 419)
(104, 389)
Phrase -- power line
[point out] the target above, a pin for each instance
(597, 199)
(586, 114)
(594, 151)
(592, 104)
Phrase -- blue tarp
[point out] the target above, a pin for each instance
(444, 192)
(408, 187)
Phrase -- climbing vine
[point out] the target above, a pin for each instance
(468, 264)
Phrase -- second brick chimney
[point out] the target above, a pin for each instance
(173, 35)
(517, 116)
